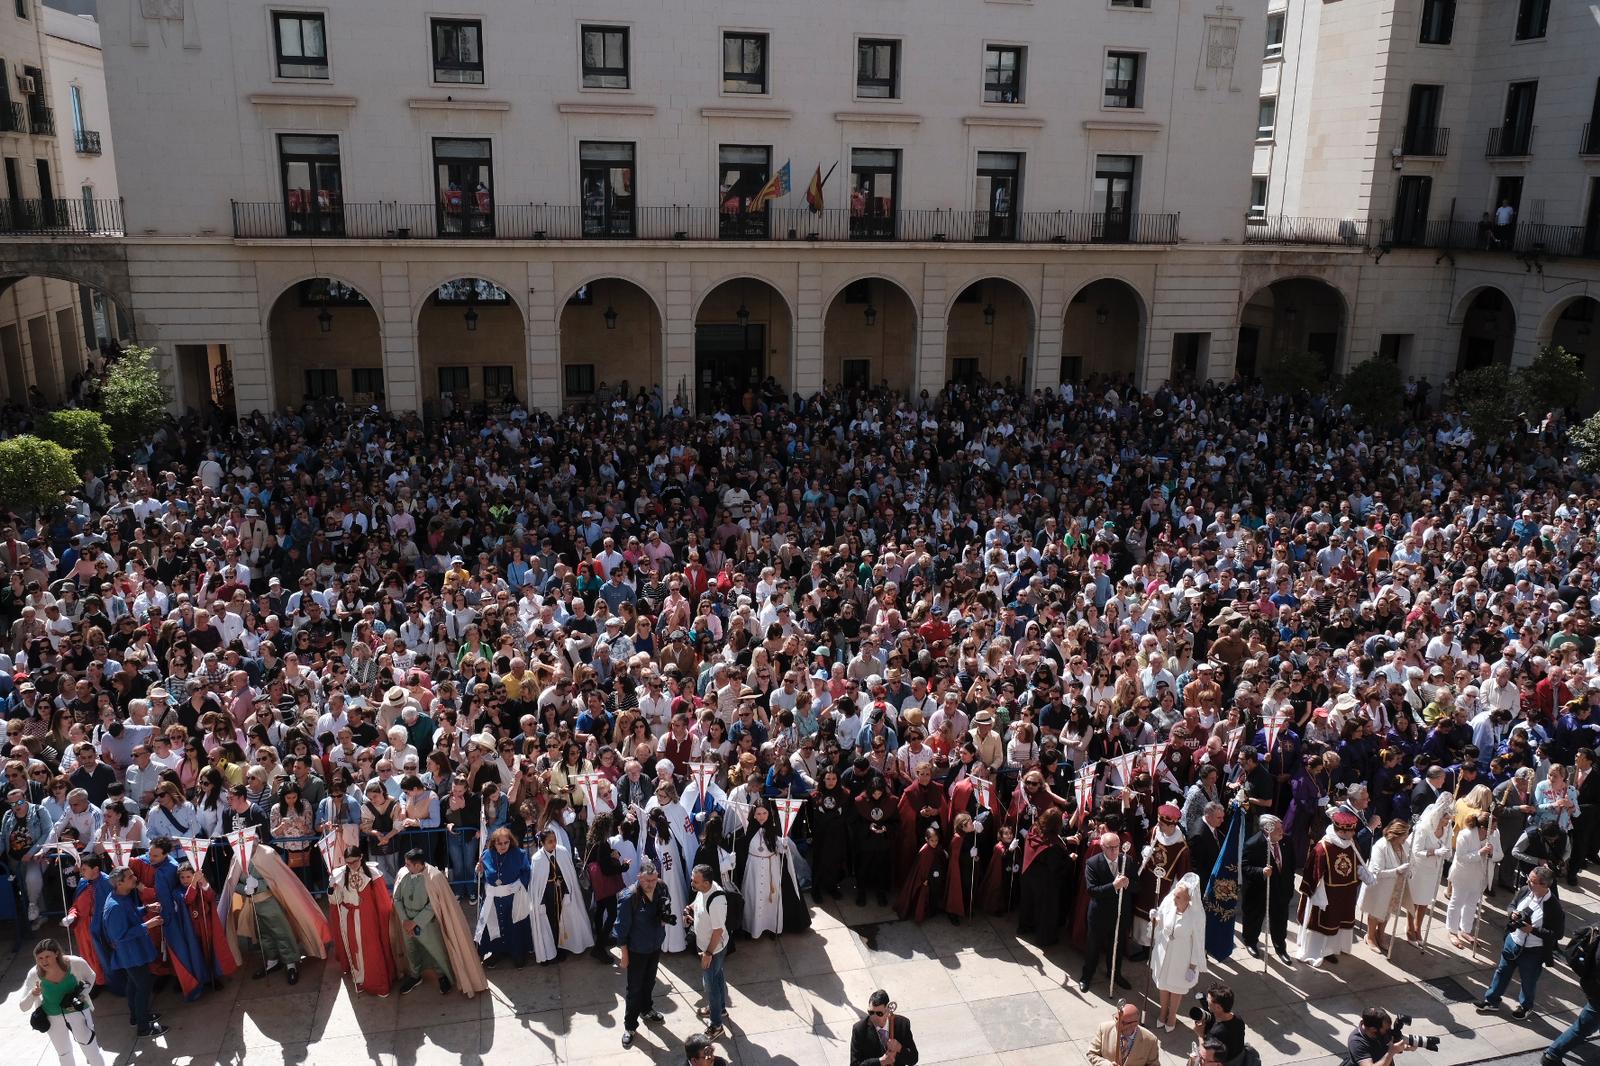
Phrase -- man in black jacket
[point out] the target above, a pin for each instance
(1586, 829)
(1268, 888)
(1110, 898)
(882, 1038)
(1206, 842)
(1534, 926)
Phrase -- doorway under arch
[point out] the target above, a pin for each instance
(743, 336)
(1488, 331)
(610, 341)
(471, 347)
(326, 344)
(989, 335)
(1102, 339)
(1574, 330)
(869, 337)
(1289, 317)
(54, 334)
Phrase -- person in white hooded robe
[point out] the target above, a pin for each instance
(765, 873)
(1477, 854)
(560, 919)
(679, 819)
(1432, 842)
(657, 843)
(1178, 946)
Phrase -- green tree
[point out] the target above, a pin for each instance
(1585, 437)
(1488, 399)
(1374, 391)
(132, 397)
(1553, 381)
(83, 433)
(1291, 373)
(34, 473)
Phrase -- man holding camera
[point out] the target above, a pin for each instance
(1374, 1042)
(643, 914)
(1534, 926)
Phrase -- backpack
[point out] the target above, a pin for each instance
(735, 915)
(1582, 953)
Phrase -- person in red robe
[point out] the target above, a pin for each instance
(201, 903)
(961, 880)
(924, 891)
(83, 919)
(923, 806)
(1162, 864)
(1001, 884)
(1030, 801)
(361, 914)
(1331, 882)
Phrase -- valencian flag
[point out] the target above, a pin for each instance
(1222, 890)
(776, 186)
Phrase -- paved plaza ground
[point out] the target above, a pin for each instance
(974, 994)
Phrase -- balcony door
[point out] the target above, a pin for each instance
(313, 191)
(874, 190)
(1115, 187)
(1591, 222)
(1422, 120)
(1411, 210)
(744, 169)
(999, 190)
(1517, 127)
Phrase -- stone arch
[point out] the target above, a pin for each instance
(991, 332)
(611, 330)
(312, 357)
(1291, 314)
(462, 359)
(1103, 331)
(1488, 319)
(744, 333)
(59, 317)
(870, 334)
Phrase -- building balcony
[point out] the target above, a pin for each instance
(1523, 239)
(1589, 143)
(42, 120)
(1510, 141)
(13, 117)
(61, 218)
(1284, 229)
(87, 142)
(541, 222)
(1425, 141)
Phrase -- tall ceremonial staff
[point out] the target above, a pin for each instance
(1116, 936)
(1488, 847)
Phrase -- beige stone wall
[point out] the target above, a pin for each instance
(298, 344)
(889, 345)
(631, 352)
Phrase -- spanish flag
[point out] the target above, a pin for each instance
(776, 186)
(814, 192)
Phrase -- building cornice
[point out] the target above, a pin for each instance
(1021, 122)
(595, 107)
(1121, 125)
(300, 100)
(437, 103)
(771, 114)
(897, 118)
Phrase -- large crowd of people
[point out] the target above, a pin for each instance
(506, 686)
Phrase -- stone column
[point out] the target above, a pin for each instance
(543, 331)
(402, 377)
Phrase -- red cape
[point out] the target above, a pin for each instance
(82, 941)
(207, 922)
(909, 834)
(376, 915)
(961, 799)
(1080, 905)
(956, 889)
(992, 886)
(915, 900)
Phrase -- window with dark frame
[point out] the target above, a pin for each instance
(1122, 79)
(458, 51)
(1266, 118)
(744, 63)
(313, 192)
(1258, 199)
(1438, 21)
(1002, 73)
(455, 381)
(874, 192)
(878, 69)
(300, 43)
(23, 8)
(605, 57)
(1130, 3)
(322, 384)
(743, 170)
(580, 379)
(499, 383)
(1533, 17)
(606, 188)
(464, 183)
(998, 195)
(366, 382)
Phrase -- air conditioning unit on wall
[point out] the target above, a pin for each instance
(26, 84)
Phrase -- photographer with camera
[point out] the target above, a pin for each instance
(643, 914)
(1534, 926)
(56, 992)
(1214, 1019)
(1375, 1042)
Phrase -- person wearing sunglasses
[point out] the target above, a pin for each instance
(883, 1036)
(699, 1050)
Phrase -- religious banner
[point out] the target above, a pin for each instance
(787, 810)
(702, 772)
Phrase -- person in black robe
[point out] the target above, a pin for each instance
(831, 808)
(876, 815)
(1043, 872)
(1268, 888)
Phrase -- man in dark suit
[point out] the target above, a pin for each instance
(1535, 924)
(1268, 888)
(1427, 790)
(1110, 897)
(1586, 830)
(1206, 843)
(882, 1038)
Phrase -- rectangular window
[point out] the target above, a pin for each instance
(1411, 210)
(998, 195)
(1274, 49)
(964, 369)
(1591, 129)
(1438, 21)
(313, 193)
(605, 57)
(1532, 18)
(367, 384)
(744, 63)
(322, 384)
(77, 109)
(1190, 353)
(856, 373)
(1515, 134)
(300, 40)
(455, 382)
(1116, 184)
(1002, 73)
(1130, 3)
(580, 379)
(744, 170)
(1266, 118)
(878, 69)
(499, 383)
(458, 51)
(1258, 198)
(606, 186)
(464, 182)
(874, 191)
(1422, 134)
(1122, 79)
(23, 7)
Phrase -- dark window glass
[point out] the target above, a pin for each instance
(744, 62)
(464, 180)
(458, 51)
(301, 44)
(313, 193)
(878, 69)
(1122, 79)
(606, 187)
(605, 57)
(1002, 74)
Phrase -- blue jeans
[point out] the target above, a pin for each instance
(1528, 964)
(463, 861)
(1585, 1026)
(716, 987)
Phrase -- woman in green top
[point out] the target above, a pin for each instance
(60, 983)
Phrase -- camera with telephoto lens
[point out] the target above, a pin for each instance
(664, 910)
(1411, 1040)
(1198, 1012)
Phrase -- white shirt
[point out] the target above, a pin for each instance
(708, 918)
(1534, 910)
